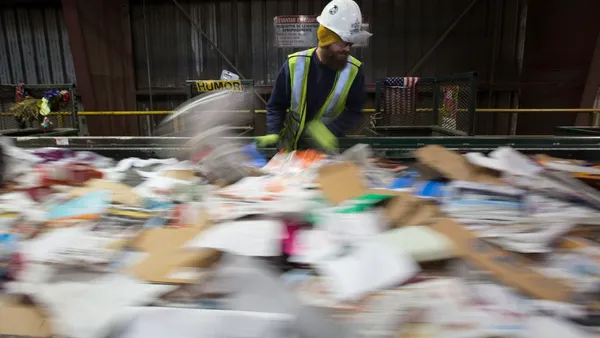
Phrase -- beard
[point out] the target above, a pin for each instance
(335, 60)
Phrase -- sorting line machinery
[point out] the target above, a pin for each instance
(573, 147)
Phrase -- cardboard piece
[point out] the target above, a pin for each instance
(508, 268)
(590, 248)
(121, 193)
(159, 268)
(436, 162)
(341, 181)
(165, 253)
(18, 319)
(180, 174)
(157, 240)
(406, 209)
(344, 181)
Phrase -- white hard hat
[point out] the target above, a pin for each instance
(344, 18)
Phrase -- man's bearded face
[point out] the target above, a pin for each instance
(336, 55)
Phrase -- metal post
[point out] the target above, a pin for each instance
(436, 103)
(590, 91)
(440, 39)
(149, 74)
(379, 87)
(520, 56)
(596, 119)
(495, 52)
(513, 123)
(472, 104)
(74, 120)
(512, 99)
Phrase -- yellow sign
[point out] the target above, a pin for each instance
(219, 85)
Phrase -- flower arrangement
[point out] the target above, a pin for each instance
(57, 100)
(30, 109)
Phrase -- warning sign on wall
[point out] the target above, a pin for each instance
(219, 85)
(299, 31)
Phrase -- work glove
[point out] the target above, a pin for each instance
(322, 136)
(267, 140)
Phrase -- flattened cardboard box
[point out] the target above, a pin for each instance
(158, 268)
(406, 209)
(341, 181)
(591, 248)
(344, 181)
(507, 267)
(18, 319)
(180, 174)
(165, 254)
(436, 161)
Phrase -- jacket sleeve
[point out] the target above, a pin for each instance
(354, 105)
(279, 101)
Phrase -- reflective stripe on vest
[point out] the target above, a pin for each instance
(328, 113)
(334, 105)
(299, 67)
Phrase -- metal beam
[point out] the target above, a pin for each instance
(7, 3)
(100, 39)
(519, 57)
(266, 90)
(586, 148)
(591, 86)
(78, 50)
(441, 39)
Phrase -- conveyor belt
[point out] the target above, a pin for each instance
(585, 148)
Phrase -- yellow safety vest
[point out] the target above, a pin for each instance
(335, 104)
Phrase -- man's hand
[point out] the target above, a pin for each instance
(267, 140)
(320, 134)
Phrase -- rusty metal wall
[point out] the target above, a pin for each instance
(403, 31)
(563, 60)
(34, 46)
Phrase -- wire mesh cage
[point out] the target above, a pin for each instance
(446, 102)
(405, 102)
(7, 100)
(10, 94)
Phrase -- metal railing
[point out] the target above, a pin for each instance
(593, 112)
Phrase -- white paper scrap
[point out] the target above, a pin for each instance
(260, 238)
(365, 268)
(157, 322)
(71, 305)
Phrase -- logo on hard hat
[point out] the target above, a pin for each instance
(333, 10)
(355, 27)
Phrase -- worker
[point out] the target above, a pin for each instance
(319, 93)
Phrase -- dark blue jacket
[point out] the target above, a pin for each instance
(319, 85)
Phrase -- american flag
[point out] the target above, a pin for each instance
(403, 82)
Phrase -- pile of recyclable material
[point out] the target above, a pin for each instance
(228, 243)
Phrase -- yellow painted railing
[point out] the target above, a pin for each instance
(366, 110)
(178, 125)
